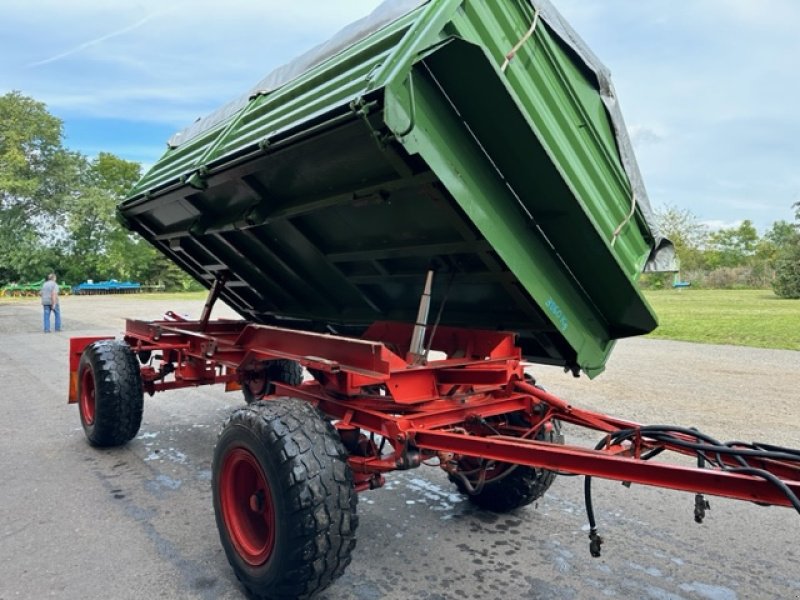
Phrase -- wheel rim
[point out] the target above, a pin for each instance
(87, 397)
(247, 507)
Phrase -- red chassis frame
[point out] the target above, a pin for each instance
(446, 409)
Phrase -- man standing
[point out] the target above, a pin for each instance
(50, 302)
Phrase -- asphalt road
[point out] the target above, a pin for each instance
(137, 521)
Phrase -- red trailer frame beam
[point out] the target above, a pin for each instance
(446, 407)
(420, 429)
(594, 463)
(594, 420)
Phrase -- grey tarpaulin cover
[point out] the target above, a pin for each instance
(663, 256)
(387, 12)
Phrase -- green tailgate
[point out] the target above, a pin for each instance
(327, 199)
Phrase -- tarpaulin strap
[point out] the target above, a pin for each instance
(625, 221)
(521, 42)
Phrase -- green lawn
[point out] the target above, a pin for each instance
(741, 317)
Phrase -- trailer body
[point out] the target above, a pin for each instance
(411, 142)
(406, 214)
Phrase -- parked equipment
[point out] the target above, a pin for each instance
(111, 286)
(408, 213)
(29, 289)
(22, 289)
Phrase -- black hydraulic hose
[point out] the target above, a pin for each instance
(713, 445)
(692, 432)
(769, 448)
(587, 484)
(664, 434)
(738, 453)
(795, 501)
(587, 496)
(749, 450)
(705, 444)
(759, 450)
(652, 453)
(595, 541)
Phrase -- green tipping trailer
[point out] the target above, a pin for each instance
(478, 139)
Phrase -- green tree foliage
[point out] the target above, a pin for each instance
(787, 261)
(733, 257)
(732, 246)
(92, 222)
(774, 240)
(37, 177)
(58, 209)
(33, 162)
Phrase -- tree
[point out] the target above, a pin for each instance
(114, 175)
(37, 178)
(102, 246)
(58, 209)
(732, 246)
(775, 239)
(787, 262)
(686, 232)
(99, 246)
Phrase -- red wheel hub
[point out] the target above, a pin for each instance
(247, 507)
(87, 397)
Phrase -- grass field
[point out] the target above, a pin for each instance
(739, 317)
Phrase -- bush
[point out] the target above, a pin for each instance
(753, 277)
(733, 278)
(787, 273)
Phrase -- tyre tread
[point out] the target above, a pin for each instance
(312, 465)
(119, 395)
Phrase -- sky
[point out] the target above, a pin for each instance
(708, 88)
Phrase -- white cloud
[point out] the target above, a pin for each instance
(645, 135)
(96, 41)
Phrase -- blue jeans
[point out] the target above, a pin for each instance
(57, 312)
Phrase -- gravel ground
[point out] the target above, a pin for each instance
(137, 521)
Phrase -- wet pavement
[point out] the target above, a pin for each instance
(137, 521)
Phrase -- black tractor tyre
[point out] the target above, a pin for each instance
(110, 394)
(514, 487)
(285, 371)
(284, 499)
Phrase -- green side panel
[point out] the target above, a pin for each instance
(564, 109)
(328, 199)
(481, 191)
